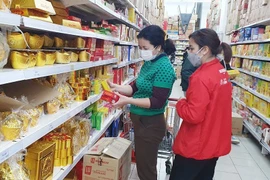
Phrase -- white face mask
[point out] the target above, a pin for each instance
(195, 59)
(147, 55)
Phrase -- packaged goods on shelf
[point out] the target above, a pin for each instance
(14, 168)
(39, 159)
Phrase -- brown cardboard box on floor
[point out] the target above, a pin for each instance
(109, 158)
(237, 124)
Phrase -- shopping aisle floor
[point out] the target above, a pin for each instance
(245, 162)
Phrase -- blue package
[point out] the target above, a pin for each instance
(255, 33)
(241, 35)
(247, 34)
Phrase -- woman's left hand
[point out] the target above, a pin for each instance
(123, 100)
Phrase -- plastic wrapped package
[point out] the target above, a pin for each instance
(4, 50)
(26, 120)
(67, 95)
(85, 128)
(52, 106)
(11, 127)
(35, 114)
(14, 168)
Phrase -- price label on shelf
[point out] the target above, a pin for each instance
(51, 127)
(4, 155)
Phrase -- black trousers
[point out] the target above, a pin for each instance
(192, 169)
(149, 132)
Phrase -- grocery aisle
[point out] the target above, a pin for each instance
(245, 162)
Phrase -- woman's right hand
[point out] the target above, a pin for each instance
(112, 86)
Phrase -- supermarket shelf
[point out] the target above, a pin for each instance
(14, 75)
(46, 124)
(123, 64)
(254, 74)
(262, 22)
(251, 42)
(128, 43)
(253, 57)
(252, 91)
(9, 19)
(62, 172)
(265, 119)
(96, 7)
(29, 23)
(256, 135)
(130, 80)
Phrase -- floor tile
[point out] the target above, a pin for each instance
(246, 177)
(225, 160)
(239, 148)
(226, 176)
(244, 162)
(250, 171)
(240, 155)
(226, 168)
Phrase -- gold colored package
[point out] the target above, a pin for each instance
(36, 41)
(62, 58)
(19, 60)
(14, 168)
(26, 119)
(52, 106)
(11, 127)
(50, 58)
(85, 128)
(78, 43)
(16, 40)
(41, 59)
(48, 41)
(84, 56)
(40, 160)
(4, 50)
(74, 57)
(35, 114)
(32, 60)
(58, 42)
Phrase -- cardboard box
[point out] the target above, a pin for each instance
(109, 158)
(237, 124)
(34, 92)
(40, 5)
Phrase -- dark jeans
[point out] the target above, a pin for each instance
(149, 132)
(192, 169)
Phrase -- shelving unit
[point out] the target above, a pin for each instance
(14, 75)
(252, 91)
(61, 172)
(253, 57)
(248, 126)
(47, 123)
(254, 74)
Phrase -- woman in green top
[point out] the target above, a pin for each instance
(148, 98)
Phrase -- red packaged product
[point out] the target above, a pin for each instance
(73, 18)
(109, 97)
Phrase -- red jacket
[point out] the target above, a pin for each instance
(205, 132)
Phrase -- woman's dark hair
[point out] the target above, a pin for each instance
(156, 36)
(208, 37)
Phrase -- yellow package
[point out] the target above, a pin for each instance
(268, 111)
(256, 102)
(248, 97)
(105, 85)
(264, 108)
(97, 87)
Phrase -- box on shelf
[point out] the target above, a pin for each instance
(35, 93)
(39, 160)
(237, 124)
(108, 158)
(40, 5)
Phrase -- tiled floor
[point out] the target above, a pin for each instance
(245, 162)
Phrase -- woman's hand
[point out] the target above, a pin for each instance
(113, 86)
(123, 100)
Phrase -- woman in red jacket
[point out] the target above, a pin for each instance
(205, 133)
